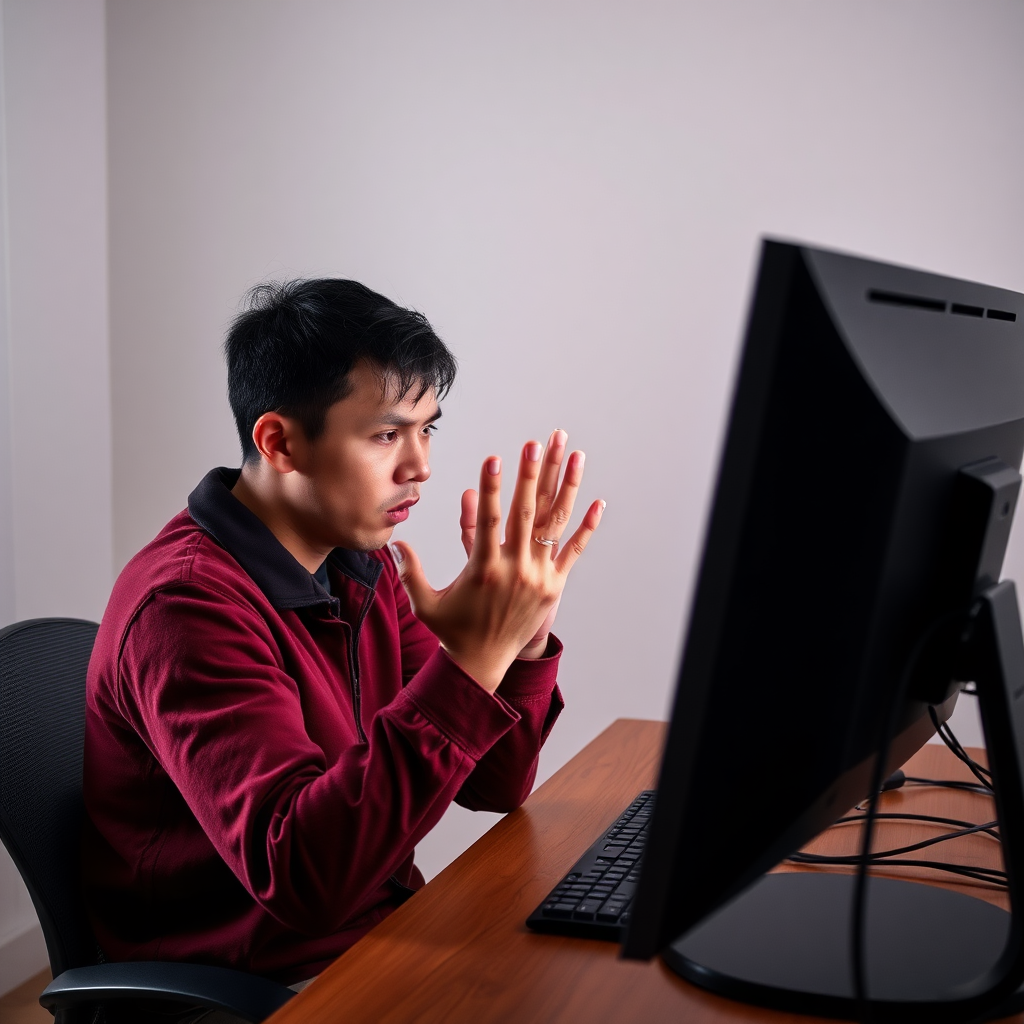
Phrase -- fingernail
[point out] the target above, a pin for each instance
(397, 553)
(579, 458)
(603, 504)
(494, 465)
(533, 451)
(559, 437)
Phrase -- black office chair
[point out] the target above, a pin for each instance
(43, 664)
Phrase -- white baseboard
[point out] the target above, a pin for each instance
(21, 956)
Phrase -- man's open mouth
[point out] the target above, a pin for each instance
(400, 513)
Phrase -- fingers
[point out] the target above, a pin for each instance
(519, 528)
(573, 547)
(468, 520)
(561, 508)
(539, 506)
(547, 484)
(487, 538)
(422, 595)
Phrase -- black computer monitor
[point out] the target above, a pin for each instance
(858, 528)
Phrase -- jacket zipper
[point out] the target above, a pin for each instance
(353, 662)
(403, 890)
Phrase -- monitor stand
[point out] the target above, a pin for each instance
(931, 954)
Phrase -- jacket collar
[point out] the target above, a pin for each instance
(247, 539)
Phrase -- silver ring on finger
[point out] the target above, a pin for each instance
(545, 541)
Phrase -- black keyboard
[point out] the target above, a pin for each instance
(593, 901)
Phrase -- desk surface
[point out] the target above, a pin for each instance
(459, 951)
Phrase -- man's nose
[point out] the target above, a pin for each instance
(416, 467)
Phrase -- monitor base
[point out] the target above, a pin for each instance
(784, 944)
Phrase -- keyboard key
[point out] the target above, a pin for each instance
(558, 910)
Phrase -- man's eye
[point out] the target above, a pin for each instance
(388, 436)
(430, 428)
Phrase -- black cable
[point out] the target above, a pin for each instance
(891, 857)
(877, 779)
(970, 787)
(981, 773)
(946, 837)
(894, 857)
(989, 827)
(991, 875)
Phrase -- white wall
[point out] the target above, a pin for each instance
(6, 481)
(55, 456)
(57, 319)
(574, 193)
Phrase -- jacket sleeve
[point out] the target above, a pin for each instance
(311, 834)
(504, 775)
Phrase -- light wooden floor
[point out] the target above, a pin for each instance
(22, 1005)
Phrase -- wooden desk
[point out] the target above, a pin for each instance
(459, 951)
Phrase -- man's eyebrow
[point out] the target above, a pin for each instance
(396, 419)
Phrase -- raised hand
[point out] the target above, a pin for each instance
(503, 601)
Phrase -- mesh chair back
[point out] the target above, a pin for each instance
(43, 664)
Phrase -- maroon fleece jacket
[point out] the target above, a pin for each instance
(262, 756)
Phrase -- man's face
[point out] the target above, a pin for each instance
(360, 477)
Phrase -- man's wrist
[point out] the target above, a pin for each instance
(479, 666)
(536, 648)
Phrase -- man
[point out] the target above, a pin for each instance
(279, 708)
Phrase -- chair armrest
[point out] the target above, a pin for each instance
(246, 995)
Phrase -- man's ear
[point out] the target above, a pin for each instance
(277, 439)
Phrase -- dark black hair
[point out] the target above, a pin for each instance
(291, 348)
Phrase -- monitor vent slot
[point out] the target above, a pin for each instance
(914, 301)
(939, 305)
